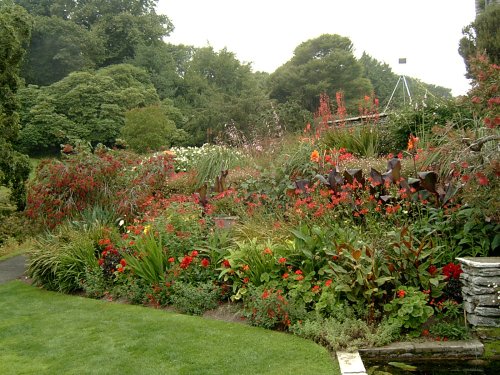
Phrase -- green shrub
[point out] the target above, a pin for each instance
(269, 308)
(15, 226)
(450, 330)
(346, 333)
(409, 309)
(195, 299)
(94, 283)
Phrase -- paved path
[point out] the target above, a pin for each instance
(12, 268)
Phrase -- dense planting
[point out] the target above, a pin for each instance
(342, 249)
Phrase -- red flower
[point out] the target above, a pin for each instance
(194, 253)
(282, 260)
(246, 280)
(171, 260)
(205, 262)
(452, 270)
(123, 262)
(246, 267)
(265, 294)
(186, 261)
(285, 275)
(482, 179)
(104, 241)
(268, 251)
(432, 269)
(315, 289)
(425, 332)
(328, 283)
(298, 272)
(226, 263)
(100, 261)
(299, 277)
(401, 293)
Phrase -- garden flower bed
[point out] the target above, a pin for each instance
(334, 243)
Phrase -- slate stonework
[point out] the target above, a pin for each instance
(481, 290)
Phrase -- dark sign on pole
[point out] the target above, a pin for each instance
(402, 60)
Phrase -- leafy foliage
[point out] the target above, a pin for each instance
(481, 36)
(60, 260)
(150, 129)
(83, 106)
(409, 309)
(324, 64)
(15, 31)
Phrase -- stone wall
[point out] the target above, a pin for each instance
(481, 290)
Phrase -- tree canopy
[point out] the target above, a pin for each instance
(482, 37)
(15, 30)
(72, 35)
(152, 128)
(84, 105)
(322, 65)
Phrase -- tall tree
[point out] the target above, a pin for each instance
(84, 105)
(217, 90)
(482, 37)
(322, 65)
(165, 63)
(59, 47)
(71, 35)
(15, 30)
(151, 128)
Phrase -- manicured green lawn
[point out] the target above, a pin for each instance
(48, 333)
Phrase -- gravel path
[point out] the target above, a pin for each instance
(13, 268)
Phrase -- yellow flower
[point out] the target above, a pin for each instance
(147, 228)
(315, 156)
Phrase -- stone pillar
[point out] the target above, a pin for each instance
(481, 290)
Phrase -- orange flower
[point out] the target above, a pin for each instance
(315, 156)
(412, 143)
(268, 251)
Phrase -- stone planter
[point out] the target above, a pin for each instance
(481, 290)
(225, 222)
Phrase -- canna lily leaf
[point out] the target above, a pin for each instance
(322, 179)
(302, 185)
(354, 174)
(450, 192)
(335, 179)
(428, 181)
(394, 165)
(376, 176)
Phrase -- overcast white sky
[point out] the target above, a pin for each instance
(265, 32)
